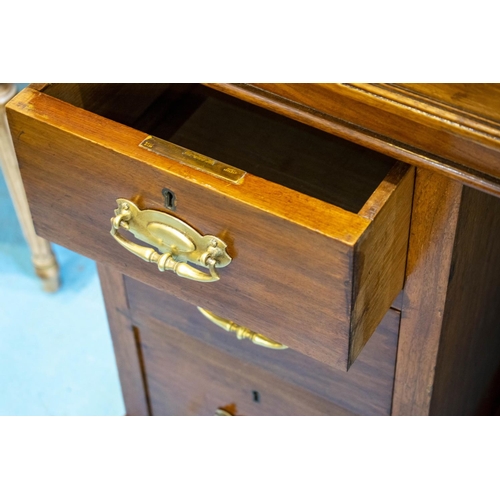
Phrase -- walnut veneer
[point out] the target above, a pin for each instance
(330, 224)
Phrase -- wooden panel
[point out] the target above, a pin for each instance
(385, 118)
(479, 100)
(125, 342)
(434, 218)
(366, 389)
(449, 348)
(188, 377)
(383, 246)
(283, 243)
(467, 379)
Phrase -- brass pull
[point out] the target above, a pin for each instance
(220, 412)
(241, 332)
(177, 242)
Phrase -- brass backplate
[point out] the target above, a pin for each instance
(194, 160)
(171, 235)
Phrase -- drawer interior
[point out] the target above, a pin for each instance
(241, 134)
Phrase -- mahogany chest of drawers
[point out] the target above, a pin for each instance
(281, 249)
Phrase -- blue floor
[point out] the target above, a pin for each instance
(56, 355)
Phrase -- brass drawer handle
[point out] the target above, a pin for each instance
(220, 412)
(241, 332)
(177, 242)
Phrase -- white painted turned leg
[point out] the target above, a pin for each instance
(41, 254)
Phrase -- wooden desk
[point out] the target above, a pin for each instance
(333, 267)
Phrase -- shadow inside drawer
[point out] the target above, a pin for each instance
(263, 143)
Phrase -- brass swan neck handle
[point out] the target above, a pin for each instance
(241, 332)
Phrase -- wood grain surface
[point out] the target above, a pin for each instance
(189, 377)
(468, 101)
(331, 272)
(432, 236)
(413, 127)
(365, 390)
(382, 247)
(292, 269)
(125, 342)
(449, 347)
(467, 378)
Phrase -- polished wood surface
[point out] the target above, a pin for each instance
(126, 342)
(468, 364)
(365, 390)
(385, 248)
(189, 377)
(431, 129)
(448, 353)
(479, 100)
(433, 226)
(323, 294)
(324, 259)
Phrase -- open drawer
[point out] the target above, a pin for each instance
(315, 231)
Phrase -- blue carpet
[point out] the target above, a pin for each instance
(56, 355)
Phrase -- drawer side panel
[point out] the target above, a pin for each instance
(380, 263)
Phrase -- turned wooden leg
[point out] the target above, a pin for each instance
(41, 254)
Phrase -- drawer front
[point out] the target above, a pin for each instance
(365, 390)
(185, 376)
(299, 264)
